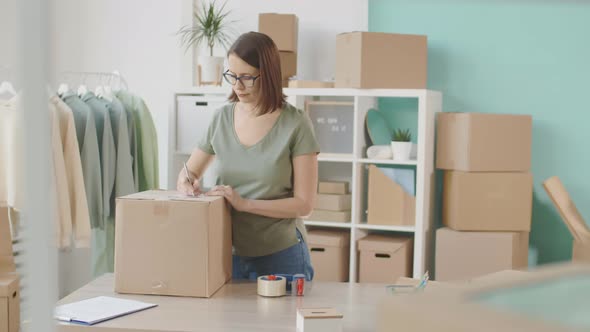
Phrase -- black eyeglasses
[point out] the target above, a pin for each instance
(246, 80)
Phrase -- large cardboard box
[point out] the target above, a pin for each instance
(288, 64)
(383, 259)
(388, 203)
(581, 251)
(326, 215)
(167, 243)
(6, 256)
(333, 202)
(330, 254)
(333, 187)
(281, 28)
(9, 303)
(381, 60)
(464, 255)
(478, 142)
(481, 201)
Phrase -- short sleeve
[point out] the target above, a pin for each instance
(304, 139)
(205, 143)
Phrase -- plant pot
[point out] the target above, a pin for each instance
(401, 150)
(209, 69)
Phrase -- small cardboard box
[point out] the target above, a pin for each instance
(310, 84)
(333, 202)
(333, 187)
(325, 215)
(581, 251)
(464, 255)
(281, 28)
(319, 320)
(6, 255)
(383, 259)
(288, 64)
(372, 60)
(167, 243)
(478, 142)
(329, 252)
(388, 203)
(9, 302)
(481, 201)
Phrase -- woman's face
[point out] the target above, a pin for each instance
(247, 87)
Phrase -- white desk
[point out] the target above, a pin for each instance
(235, 307)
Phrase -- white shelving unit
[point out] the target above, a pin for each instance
(361, 100)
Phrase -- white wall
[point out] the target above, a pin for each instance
(8, 41)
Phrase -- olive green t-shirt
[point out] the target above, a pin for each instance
(263, 171)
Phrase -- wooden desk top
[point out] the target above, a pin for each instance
(235, 307)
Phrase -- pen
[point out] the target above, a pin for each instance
(188, 177)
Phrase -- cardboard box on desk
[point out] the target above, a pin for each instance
(465, 255)
(484, 305)
(170, 244)
(372, 60)
(388, 203)
(383, 259)
(281, 28)
(9, 302)
(482, 201)
(478, 142)
(329, 254)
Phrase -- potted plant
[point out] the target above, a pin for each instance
(401, 144)
(210, 27)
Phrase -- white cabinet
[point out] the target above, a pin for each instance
(348, 164)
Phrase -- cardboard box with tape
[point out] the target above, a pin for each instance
(167, 243)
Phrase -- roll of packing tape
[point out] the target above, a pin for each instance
(272, 286)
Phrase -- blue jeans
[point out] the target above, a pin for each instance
(292, 260)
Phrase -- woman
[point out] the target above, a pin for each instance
(266, 153)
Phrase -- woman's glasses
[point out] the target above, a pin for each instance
(246, 80)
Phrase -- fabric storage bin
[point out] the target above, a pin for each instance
(329, 254)
(383, 259)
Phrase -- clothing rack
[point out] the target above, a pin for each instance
(84, 75)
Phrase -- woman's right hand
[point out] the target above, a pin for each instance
(185, 187)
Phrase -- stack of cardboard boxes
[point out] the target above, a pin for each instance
(487, 193)
(283, 30)
(9, 280)
(333, 202)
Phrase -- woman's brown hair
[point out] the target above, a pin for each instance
(259, 51)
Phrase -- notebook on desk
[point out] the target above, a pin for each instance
(98, 309)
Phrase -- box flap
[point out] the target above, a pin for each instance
(382, 243)
(9, 283)
(328, 238)
(319, 313)
(168, 195)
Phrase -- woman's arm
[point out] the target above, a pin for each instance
(196, 165)
(305, 182)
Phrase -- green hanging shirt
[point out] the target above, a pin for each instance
(263, 171)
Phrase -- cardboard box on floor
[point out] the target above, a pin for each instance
(388, 203)
(571, 217)
(482, 201)
(288, 64)
(169, 244)
(281, 28)
(383, 259)
(464, 309)
(371, 60)
(329, 250)
(465, 255)
(478, 142)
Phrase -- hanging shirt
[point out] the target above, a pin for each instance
(74, 174)
(132, 140)
(11, 154)
(89, 156)
(261, 171)
(147, 140)
(106, 149)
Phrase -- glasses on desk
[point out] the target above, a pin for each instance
(246, 80)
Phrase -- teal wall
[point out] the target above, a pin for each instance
(530, 57)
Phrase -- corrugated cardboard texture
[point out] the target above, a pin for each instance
(381, 60)
(478, 142)
(281, 28)
(383, 259)
(465, 255)
(9, 303)
(169, 246)
(388, 203)
(329, 252)
(288, 64)
(324, 215)
(333, 202)
(6, 258)
(333, 187)
(480, 201)
(581, 252)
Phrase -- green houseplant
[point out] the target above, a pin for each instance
(401, 144)
(211, 27)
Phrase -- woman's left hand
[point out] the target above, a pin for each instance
(230, 195)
